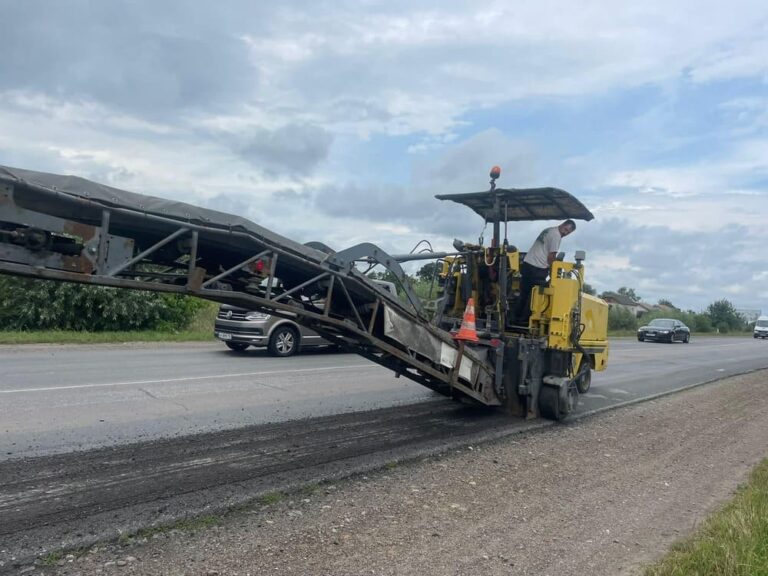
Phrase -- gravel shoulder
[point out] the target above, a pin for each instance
(601, 496)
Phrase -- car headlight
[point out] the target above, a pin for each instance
(256, 316)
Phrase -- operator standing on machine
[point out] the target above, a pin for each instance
(536, 265)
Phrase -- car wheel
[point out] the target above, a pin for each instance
(284, 341)
(686, 338)
(640, 339)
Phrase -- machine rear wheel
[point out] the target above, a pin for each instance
(556, 403)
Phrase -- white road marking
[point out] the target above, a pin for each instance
(187, 379)
(590, 395)
(617, 391)
(737, 344)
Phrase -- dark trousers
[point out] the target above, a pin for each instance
(531, 276)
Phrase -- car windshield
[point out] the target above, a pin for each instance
(762, 323)
(661, 323)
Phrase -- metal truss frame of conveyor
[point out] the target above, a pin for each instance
(45, 236)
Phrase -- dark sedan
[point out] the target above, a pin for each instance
(664, 330)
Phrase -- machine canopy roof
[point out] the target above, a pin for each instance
(522, 204)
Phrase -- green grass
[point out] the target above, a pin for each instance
(733, 542)
(61, 337)
(271, 498)
(309, 489)
(52, 558)
(186, 525)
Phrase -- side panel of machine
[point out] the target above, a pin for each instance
(594, 338)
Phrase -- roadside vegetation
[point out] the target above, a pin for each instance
(39, 311)
(720, 317)
(734, 541)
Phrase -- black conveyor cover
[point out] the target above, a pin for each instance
(108, 196)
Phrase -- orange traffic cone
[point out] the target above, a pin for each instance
(467, 331)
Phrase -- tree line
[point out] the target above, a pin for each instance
(720, 316)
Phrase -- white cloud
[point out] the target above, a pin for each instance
(78, 112)
(609, 262)
(425, 68)
(620, 207)
(281, 50)
(702, 194)
(742, 58)
(734, 289)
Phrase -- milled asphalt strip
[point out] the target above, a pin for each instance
(540, 424)
(431, 449)
(186, 379)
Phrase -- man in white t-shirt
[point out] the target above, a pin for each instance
(536, 265)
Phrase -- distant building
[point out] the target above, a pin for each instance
(616, 300)
(644, 308)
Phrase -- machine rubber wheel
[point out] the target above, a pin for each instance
(583, 384)
(236, 346)
(686, 338)
(640, 339)
(556, 403)
(283, 342)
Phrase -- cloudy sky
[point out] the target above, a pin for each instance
(339, 121)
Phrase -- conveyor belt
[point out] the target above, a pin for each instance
(71, 229)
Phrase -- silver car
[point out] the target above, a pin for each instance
(239, 328)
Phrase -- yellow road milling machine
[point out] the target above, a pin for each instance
(541, 367)
(71, 229)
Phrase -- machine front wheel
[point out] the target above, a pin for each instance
(585, 382)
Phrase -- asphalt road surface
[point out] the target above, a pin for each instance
(57, 399)
(177, 431)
